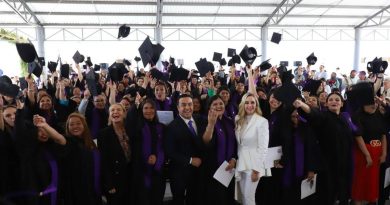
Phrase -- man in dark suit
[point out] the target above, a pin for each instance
(184, 148)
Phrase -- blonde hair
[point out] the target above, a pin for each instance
(241, 109)
(109, 110)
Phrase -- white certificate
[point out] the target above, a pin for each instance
(165, 117)
(273, 153)
(308, 187)
(223, 176)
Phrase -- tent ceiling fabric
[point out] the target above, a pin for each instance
(343, 13)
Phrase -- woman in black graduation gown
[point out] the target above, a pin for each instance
(149, 156)
(303, 163)
(335, 141)
(115, 146)
(9, 158)
(221, 145)
(39, 146)
(82, 178)
(269, 189)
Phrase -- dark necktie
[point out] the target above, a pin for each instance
(191, 127)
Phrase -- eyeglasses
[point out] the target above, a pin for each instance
(97, 101)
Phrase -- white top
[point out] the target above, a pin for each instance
(252, 140)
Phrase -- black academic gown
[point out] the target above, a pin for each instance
(335, 139)
(82, 177)
(215, 192)
(181, 145)
(149, 179)
(116, 169)
(10, 163)
(40, 167)
(269, 190)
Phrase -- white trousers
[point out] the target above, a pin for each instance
(247, 187)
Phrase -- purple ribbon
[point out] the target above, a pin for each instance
(147, 151)
(230, 111)
(167, 104)
(52, 188)
(225, 141)
(96, 162)
(348, 119)
(299, 154)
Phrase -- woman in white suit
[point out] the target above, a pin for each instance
(252, 139)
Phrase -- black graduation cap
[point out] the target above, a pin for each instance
(248, 54)
(281, 69)
(89, 62)
(64, 71)
(155, 73)
(377, 65)
(137, 59)
(222, 62)
(179, 74)
(287, 93)
(217, 56)
(157, 50)
(231, 52)
(265, 65)
(235, 59)
(91, 82)
(146, 51)
(126, 62)
(7, 88)
(116, 71)
(276, 37)
(297, 63)
(124, 31)
(286, 76)
(204, 66)
(96, 67)
(311, 59)
(52, 66)
(284, 63)
(361, 94)
(312, 86)
(26, 52)
(78, 58)
(41, 61)
(35, 69)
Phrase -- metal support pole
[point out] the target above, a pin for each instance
(356, 57)
(264, 39)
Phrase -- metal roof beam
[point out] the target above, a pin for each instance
(371, 21)
(158, 31)
(281, 11)
(189, 15)
(23, 10)
(206, 4)
(92, 25)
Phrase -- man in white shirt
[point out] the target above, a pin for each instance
(321, 74)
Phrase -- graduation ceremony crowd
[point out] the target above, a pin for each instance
(86, 134)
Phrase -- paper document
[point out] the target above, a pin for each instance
(223, 176)
(308, 187)
(165, 117)
(387, 178)
(273, 154)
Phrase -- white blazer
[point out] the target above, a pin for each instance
(253, 145)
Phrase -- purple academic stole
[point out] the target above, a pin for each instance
(147, 151)
(52, 188)
(225, 141)
(96, 166)
(167, 105)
